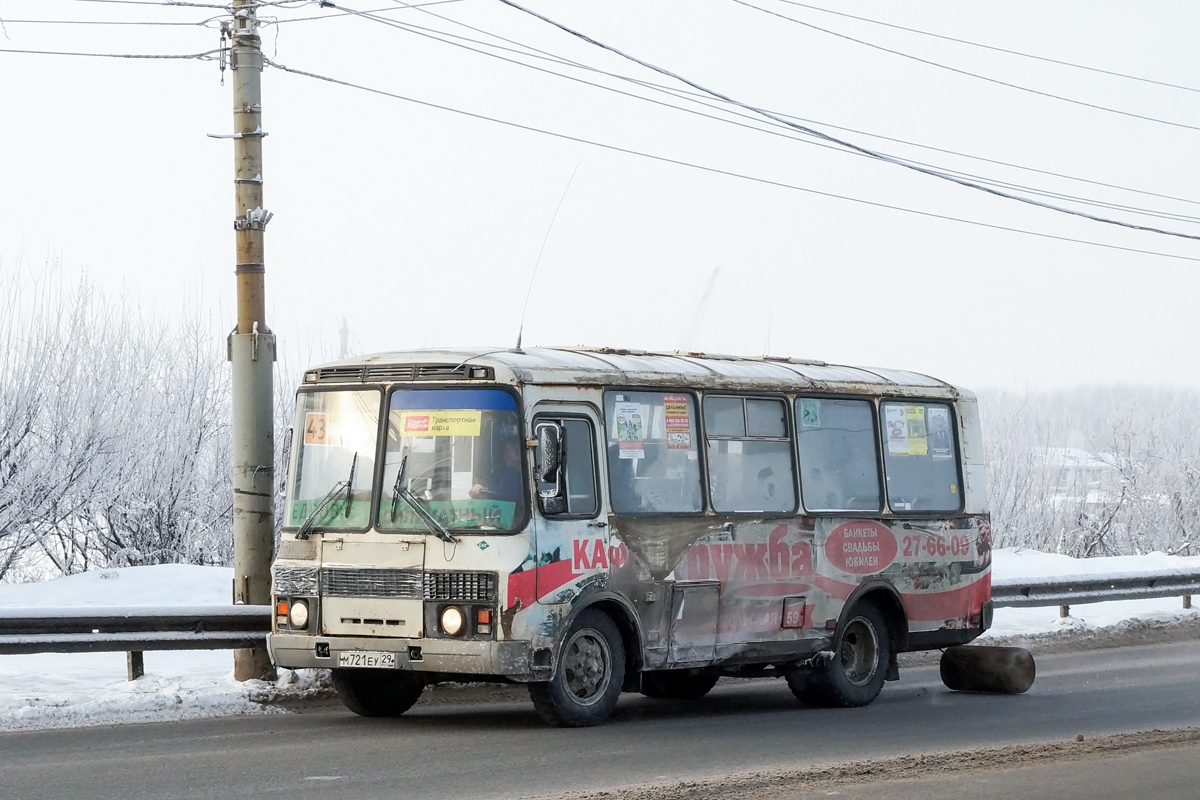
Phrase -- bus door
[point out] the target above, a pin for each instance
(571, 539)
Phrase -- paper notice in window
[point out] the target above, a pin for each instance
(630, 430)
(897, 431)
(941, 438)
(914, 419)
(679, 429)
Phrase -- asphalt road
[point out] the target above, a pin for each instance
(505, 751)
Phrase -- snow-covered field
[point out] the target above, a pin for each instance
(63, 690)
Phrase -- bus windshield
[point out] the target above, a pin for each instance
(458, 454)
(334, 442)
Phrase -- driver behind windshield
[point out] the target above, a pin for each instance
(503, 480)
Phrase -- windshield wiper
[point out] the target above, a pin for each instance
(400, 492)
(397, 486)
(338, 488)
(350, 485)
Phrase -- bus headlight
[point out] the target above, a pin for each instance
(453, 621)
(298, 614)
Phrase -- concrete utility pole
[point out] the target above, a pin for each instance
(251, 345)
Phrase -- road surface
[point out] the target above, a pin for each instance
(503, 750)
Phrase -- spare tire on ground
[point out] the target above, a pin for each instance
(999, 670)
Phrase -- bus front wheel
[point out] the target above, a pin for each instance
(588, 676)
(855, 673)
(377, 692)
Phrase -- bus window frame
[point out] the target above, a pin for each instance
(520, 524)
(872, 402)
(789, 437)
(549, 416)
(377, 471)
(695, 394)
(952, 404)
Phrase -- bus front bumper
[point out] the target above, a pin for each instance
(451, 656)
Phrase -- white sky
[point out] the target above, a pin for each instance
(421, 227)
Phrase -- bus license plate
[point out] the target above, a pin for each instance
(367, 658)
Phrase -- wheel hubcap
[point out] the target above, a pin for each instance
(859, 652)
(587, 666)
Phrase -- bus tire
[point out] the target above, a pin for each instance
(678, 684)
(588, 676)
(377, 692)
(855, 675)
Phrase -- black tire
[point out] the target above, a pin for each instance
(588, 676)
(855, 675)
(377, 692)
(678, 684)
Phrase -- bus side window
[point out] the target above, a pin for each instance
(749, 455)
(839, 462)
(919, 456)
(653, 453)
(578, 469)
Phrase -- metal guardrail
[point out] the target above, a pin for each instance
(1079, 589)
(132, 630)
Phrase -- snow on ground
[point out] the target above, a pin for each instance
(54, 690)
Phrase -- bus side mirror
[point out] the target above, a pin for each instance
(548, 458)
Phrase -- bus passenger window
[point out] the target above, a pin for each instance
(749, 455)
(653, 460)
(839, 462)
(919, 457)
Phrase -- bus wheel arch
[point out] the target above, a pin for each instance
(887, 600)
(626, 620)
(589, 672)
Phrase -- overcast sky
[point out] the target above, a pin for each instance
(421, 227)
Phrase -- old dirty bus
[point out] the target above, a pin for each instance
(596, 521)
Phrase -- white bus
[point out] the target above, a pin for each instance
(593, 521)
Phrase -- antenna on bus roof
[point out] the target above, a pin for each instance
(698, 316)
(536, 264)
(770, 308)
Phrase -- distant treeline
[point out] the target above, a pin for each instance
(115, 445)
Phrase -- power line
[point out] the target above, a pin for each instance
(976, 75)
(102, 22)
(850, 145)
(347, 12)
(167, 3)
(201, 56)
(776, 128)
(715, 170)
(534, 52)
(993, 47)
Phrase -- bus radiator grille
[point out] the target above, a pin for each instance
(369, 582)
(472, 587)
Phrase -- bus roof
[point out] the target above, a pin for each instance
(605, 366)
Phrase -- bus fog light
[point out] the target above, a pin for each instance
(453, 621)
(298, 615)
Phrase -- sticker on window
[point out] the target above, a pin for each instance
(316, 427)
(440, 423)
(810, 412)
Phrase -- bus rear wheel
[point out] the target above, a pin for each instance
(678, 684)
(377, 692)
(588, 676)
(855, 674)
